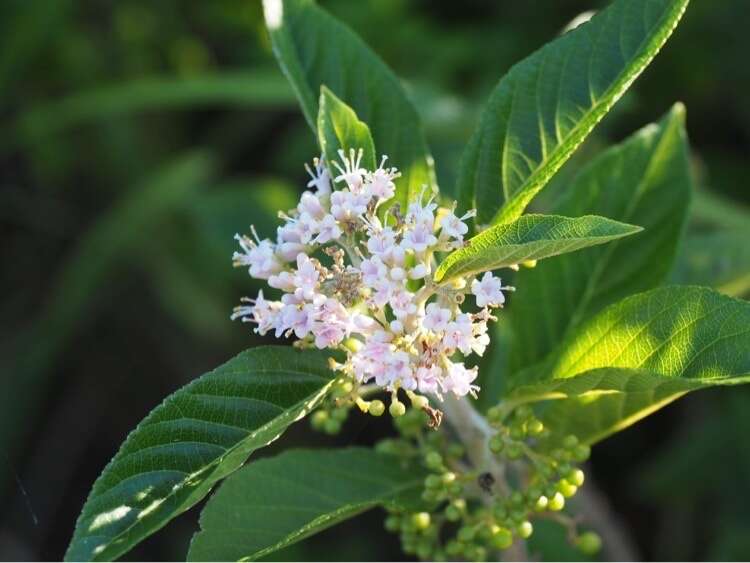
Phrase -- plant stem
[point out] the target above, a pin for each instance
(474, 432)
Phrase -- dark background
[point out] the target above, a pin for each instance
(137, 137)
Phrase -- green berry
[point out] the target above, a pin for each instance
(340, 414)
(318, 419)
(516, 499)
(541, 503)
(454, 548)
(430, 495)
(433, 460)
(569, 442)
(465, 534)
(332, 426)
(424, 551)
(517, 432)
(452, 514)
(589, 543)
(420, 520)
(581, 453)
(455, 488)
(433, 481)
(523, 412)
(392, 523)
(576, 477)
(556, 502)
(534, 427)
(397, 409)
(514, 451)
(476, 553)
(502, 538)
(484, 533)
(497, 444)
(560, 455)
(500, 512)
(495, 415)
(566, 489)
(376, 408)
(525, 529)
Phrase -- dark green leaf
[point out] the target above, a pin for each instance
(275, 502)
(647, 180)
(638, 355)
(313, 49)
(548, 103)
(196, 437)
(339, 129)
(531, 237)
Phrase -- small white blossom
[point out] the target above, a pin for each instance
(375, 294)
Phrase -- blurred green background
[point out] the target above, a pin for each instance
(139, 136)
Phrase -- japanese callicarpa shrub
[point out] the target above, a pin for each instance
(391, 296)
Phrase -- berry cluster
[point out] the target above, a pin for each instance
(355, 276)
(470, 513)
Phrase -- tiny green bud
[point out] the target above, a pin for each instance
(523, 412)
(397, 409)
(576, 477)
(556, 502)
(465, 534)
(430, 495)
(560, 455)
(502, 539)
(494, 415)
(448, 477)
(564, 468)
(318, 419)
(433, 460)
(497, 444)
(500, 512)
(525, 529)
(376, 408)
(589, 543)
(424, 550)
(421, 520)
(419, 401)
(454, 548)
(340, 414)
(455, 488)
(516, 499)
(517, 432)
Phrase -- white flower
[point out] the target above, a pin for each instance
(373, 289)
(488, 291)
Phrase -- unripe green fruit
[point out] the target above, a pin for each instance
(424, 551)
(516, 499)
(581, 453)
(514, 451)
(517, 432)
(433, 460)
(332, 426)
(455, 488)
(430, 495)
(589, 543)
(340, 414)
(576, 476)
(448, 477)
(556, 502)
(560, 455)
(569, 442)
(497, 444)
(376, 408)
(421, 520)
(476, 553)
(566, 489)
(392, 523)
(454, 548)
(534, 427)
(452, 514)
(564, 468)
(484, 533)
(518, 515)
(419, 402)
(318, 419)
(523, 412)
(502, 539)
(397, 409)
(525, 529)
(494, 415)
(465, 534)
(433, 481)
(541, 503)
(500, 512)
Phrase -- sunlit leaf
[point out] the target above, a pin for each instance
(196, 437)
(638, 355)
(531, 237)
(548, 103)
(340, 129)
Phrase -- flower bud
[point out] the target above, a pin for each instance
(589, 543)
(376, 408)
(525, 529)
(420, 520)
(397, 409)
(556, 502)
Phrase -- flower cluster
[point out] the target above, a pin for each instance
(356, 276)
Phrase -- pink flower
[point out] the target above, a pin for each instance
(488, 291)
(436, 319)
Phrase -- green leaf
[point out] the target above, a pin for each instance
(256, 88)
(339, 129)
(196, 437)
(547, 104)
(531, 237)
(720, 259)
(275, 502)
(638, 355)
(645, 179)
(313, 49)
